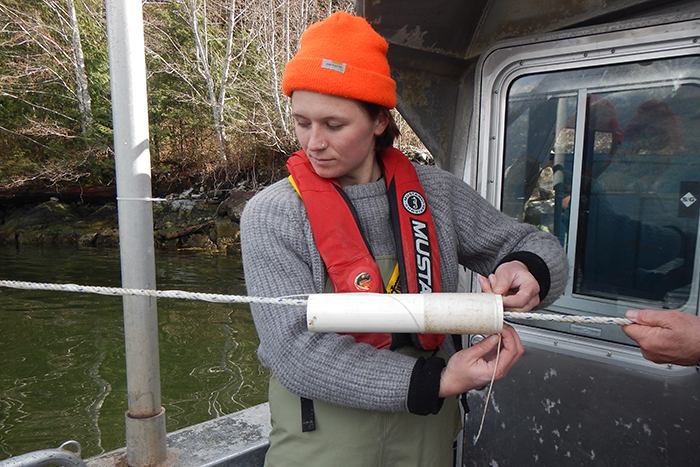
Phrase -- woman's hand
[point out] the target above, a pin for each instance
(473, 367)
(513, 280)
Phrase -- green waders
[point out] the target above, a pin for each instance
(347, 437)
(355, 437)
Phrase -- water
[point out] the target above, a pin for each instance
(62, 370)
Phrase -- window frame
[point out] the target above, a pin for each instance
(506, 63)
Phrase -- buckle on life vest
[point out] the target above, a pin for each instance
(363, 282)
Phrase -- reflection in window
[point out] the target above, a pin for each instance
(609, 162)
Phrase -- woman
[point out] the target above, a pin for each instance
(355, 215)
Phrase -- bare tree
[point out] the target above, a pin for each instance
(81, 80)
(280, 26)
(213, 24)
(230, 39)
(51, 53)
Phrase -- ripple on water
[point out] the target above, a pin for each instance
(62, 354)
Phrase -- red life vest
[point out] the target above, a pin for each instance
(350, 265)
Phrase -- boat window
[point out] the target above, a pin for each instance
(607, 159)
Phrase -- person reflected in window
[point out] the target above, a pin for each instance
(621, 253)
(651, 139)
(666, 336)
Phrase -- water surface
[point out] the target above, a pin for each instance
(62, 370)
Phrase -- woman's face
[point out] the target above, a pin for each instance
(338, 136)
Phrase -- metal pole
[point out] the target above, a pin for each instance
(145, 419)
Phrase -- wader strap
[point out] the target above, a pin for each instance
(463, 401)
(457, 341)
(308, 420)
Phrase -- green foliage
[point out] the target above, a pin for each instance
(41, 137)
(39, 117)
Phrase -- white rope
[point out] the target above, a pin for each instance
(567, 318)
(220, 298)
(149, 199)
(116, 291)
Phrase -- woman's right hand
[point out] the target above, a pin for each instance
(473, 367)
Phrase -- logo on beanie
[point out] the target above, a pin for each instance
(331, 65)
(414, 203)
(363, 282)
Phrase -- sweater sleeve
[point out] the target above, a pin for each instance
(483, 237)
(280, 259)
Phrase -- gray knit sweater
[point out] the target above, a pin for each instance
(281, 259)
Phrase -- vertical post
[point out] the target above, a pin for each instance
(558, 176)
(145, 419)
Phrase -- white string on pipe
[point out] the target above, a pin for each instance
(221, 298)
(488, 395)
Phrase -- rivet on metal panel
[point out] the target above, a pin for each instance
(475, 339)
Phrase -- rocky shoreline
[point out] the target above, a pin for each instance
(186, 221)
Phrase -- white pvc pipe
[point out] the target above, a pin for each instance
(438, 313)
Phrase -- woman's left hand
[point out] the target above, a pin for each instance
(474, 366)
(513, 280)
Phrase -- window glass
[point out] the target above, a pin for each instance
(608, 160)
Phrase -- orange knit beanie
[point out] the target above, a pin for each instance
(342, 56)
